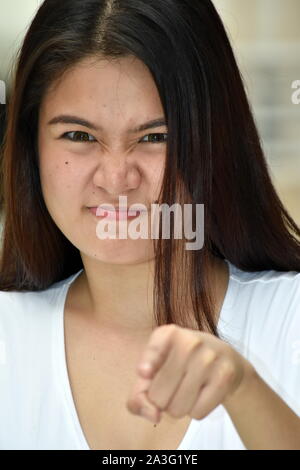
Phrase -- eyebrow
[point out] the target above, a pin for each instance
(66, 119)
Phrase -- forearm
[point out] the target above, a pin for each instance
(262, 419)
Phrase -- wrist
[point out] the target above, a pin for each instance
(244, 388)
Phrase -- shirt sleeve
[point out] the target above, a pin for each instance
(276, 351)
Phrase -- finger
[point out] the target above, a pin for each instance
(167, 379)
(155, 353)
(185, 354)
(199, 368)
(156, 350)
(139, 400)
(214, 392)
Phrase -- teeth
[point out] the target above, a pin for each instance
(105, 212)
(101, 212)
(114, 210)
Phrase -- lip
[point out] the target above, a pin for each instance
(118, 214)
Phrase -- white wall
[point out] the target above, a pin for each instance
(15, 17)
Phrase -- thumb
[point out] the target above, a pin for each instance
(139, 399)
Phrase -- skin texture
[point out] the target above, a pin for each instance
(117, 96)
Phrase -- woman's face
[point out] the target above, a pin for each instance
(84, 165)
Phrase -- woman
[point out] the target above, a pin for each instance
(77, 313)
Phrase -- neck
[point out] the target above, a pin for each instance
(119, 297)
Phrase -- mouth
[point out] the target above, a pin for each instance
(117, 214)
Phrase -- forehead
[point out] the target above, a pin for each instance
(105, 86)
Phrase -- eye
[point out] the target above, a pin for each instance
(154, 141)
(83, 136)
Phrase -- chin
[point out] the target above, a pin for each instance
(123, 252)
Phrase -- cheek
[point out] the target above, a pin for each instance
(52, 175)
(59, 179)
(155, 176)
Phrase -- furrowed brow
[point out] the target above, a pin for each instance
(66, 119)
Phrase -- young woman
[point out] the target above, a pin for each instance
(144, 100)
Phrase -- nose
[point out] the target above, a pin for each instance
(115, 174)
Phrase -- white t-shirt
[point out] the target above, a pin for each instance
(260, 317)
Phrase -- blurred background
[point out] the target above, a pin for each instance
(265, 35)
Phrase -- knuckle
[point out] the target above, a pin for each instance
(169, 327)
(167, 331)
(226, 370)
(208, 356)
(172, 329)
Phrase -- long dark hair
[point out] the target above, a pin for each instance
(214, 154)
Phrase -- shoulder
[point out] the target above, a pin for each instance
(264, 323)
(28, 325)
(264, 303)
(270, 277)
(17, 307)
(271, 294)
